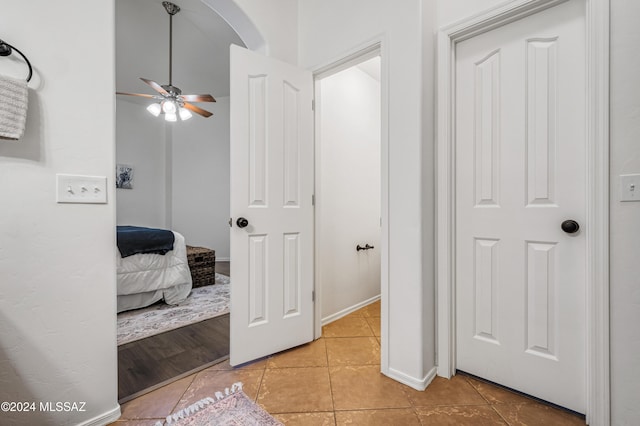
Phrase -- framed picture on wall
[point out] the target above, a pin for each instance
(124, 176)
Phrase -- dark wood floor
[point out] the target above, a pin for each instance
(147, 364)
(223, 268)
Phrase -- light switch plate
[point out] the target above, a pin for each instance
(630, 187)
(81, 189)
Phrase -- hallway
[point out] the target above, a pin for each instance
(336, 380)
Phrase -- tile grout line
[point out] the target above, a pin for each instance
(467, 379)
(500, 415)
(370, 328)
(264, 370)
(355, 365)
(333, 404)
(414, 408)
(183, 394)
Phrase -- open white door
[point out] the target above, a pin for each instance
(271, 206)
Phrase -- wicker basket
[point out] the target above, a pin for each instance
(202, 264)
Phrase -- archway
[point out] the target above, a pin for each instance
(165, 165)
(241, 23)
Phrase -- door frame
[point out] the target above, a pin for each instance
(367, 50)
(597, 372)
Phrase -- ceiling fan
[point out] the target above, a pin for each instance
(170, 100)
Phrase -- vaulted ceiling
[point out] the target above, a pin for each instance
(201, 40)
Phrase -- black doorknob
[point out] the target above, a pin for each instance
(570, 226)
(242, 222)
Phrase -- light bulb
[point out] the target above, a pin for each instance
(185, 114)
(169, 107)
(170, 116)
(154, 109)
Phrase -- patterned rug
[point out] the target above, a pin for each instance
(203, 303)
(229, 408)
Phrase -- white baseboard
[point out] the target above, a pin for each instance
(103, 419)
(417, 384)
(223, 259)
(343, 313)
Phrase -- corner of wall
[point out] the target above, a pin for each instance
(428, 170)
(277, 22)
(412, 382)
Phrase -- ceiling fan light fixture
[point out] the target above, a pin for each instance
(170, 100)
(155, 109)
(185, 114)
(169, 107)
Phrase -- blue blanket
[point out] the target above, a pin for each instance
(135, 239)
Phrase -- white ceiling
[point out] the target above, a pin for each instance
(201, 40)
(371, 67)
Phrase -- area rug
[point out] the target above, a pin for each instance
(203, 303)
(229, 408)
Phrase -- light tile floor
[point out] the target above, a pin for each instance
(336, 380)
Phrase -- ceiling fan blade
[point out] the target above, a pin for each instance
(197, 110)
(198, 98)
(144, 95)
(155, 86)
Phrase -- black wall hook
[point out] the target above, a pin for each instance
(366, 247)
(6, 49)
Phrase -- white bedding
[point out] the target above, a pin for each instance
(144, 279)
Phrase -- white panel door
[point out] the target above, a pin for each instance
(271, 188)
(520, 173)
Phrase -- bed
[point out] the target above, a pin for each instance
(148, 271)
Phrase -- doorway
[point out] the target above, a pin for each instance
(348, 187)
(594, 285)
(273, 209)
(181, 183)
(520, 204)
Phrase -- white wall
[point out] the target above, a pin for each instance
(449, 12)
(328, 30)
(625, 227)
(428, 182)
(201, 187)
(141, 143)
(57, 261)
(141, 26)
(181, 173)
(348, 190)
(55, 346)
(277, 21)
(181, 170)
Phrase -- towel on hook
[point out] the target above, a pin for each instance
(14, 97)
